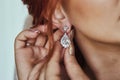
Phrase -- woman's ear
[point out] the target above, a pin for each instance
(60, 18)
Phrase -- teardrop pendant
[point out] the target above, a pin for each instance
(65, 41)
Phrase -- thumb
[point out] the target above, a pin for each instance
(73, 69)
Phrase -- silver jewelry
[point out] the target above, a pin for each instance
(65, 41)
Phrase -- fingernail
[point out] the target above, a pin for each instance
(35, 30)
(70, 49)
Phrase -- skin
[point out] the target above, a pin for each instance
(98, 20)
(34, 63)
(97, 32)
(96, 24)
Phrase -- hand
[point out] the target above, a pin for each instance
(30, 53)
(52, 70)
(31, 59)
(31, 49)
(72, 67)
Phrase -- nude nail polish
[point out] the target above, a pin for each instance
(71, 51)
(35, 30)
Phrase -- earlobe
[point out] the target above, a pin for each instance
(60, 19)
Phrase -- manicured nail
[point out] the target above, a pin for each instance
(35, 30)
(70, 49)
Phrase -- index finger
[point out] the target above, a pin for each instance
(21, 39)
(54, 63)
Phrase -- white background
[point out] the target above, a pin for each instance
(12, 17)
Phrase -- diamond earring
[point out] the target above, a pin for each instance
(65, 41)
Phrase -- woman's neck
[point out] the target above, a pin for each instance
(103, 58)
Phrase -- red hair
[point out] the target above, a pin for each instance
(42, 11)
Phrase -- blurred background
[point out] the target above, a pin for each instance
(12, 18)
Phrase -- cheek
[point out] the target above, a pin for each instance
(94, 18)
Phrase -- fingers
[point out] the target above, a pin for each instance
(41, 40)
(40, 54)
(57, 35)
(29, 35)
(42, 73)
(53, 67)
(34, 74)
(23, 64)
(41, 28)
(74, 70)
(56, 53)
(27, 58)
(24, 36)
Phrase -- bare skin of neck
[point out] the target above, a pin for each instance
(103, 58)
